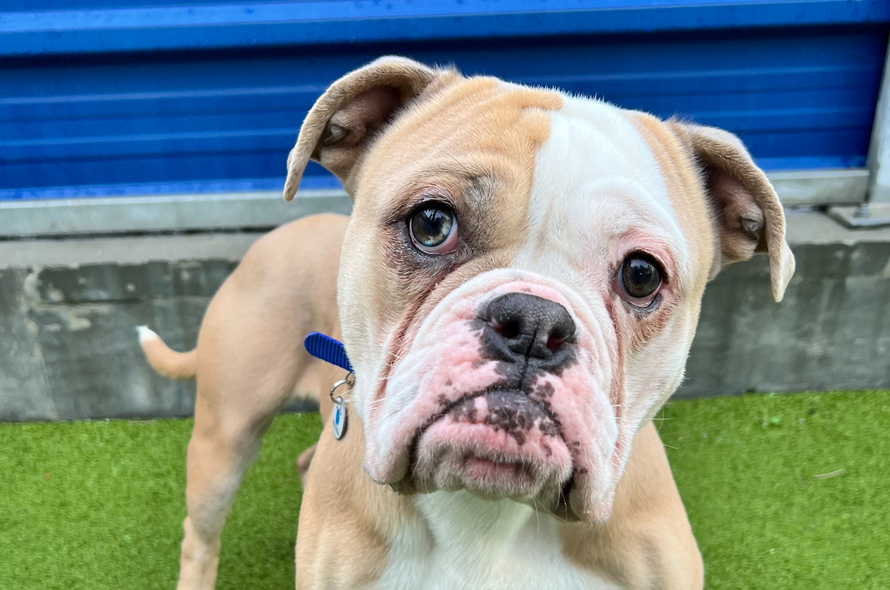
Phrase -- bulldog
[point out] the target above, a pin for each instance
(518, 289)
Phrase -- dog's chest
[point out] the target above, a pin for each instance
(465, 542)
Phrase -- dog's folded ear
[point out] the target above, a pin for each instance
(347, 117)
(746, 210)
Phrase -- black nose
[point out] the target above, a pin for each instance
(521, 326)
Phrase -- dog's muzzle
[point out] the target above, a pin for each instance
(505, 440)
(502, 392)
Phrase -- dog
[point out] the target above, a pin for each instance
(518, 288)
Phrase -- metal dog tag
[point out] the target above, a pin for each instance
(339, 418)
(339, 414)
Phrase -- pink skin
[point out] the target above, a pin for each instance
(457, 449)
(460, 451)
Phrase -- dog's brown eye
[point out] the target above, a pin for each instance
(433, 229)
(640, 277)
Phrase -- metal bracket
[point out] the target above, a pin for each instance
(865, 216)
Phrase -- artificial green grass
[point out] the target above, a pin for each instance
(786, 491)
(99, 505)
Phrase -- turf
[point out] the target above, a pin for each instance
(786, 491)
(782, 491)
(99, 505)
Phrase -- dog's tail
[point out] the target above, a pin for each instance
(164, 360)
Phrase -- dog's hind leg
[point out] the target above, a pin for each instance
(244, 380)
(304, 461)
(249, 364)
(225, 441)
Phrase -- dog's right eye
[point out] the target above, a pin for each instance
(433, 229)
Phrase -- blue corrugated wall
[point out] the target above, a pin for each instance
(139, 97)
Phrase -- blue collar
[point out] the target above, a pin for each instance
(327, 349)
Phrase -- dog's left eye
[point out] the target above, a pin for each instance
(433, 229)
(639, 279)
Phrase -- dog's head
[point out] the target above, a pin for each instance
(522, 274)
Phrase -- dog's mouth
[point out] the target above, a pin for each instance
(497, 443)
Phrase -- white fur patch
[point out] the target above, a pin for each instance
(596, 181)
(463, 541)
(145, 333)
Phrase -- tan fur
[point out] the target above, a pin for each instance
(648, 542)
(345, 118)
(347, 522)
(490, 141)
(697, 160)
(168, 362)
(249, 369)
(684, 188)
(250, 364)
(749, 215)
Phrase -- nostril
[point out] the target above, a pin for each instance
(509, 329)
(562, 331)
(554, 343)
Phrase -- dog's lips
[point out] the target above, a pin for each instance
(489, 477)
(496, 444)
(551, 444)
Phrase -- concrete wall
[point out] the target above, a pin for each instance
(67, 344)
(832, 330)
(68, 349)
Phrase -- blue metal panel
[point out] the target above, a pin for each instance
(117, 100)
(216, 26)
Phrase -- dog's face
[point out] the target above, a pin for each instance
(522, 275)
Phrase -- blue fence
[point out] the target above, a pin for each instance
(122, 98)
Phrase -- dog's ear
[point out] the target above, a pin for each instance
(345, 119)
(746, 210)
